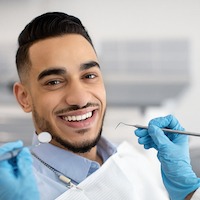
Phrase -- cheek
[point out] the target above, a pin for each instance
(45, 104)
(101, 95)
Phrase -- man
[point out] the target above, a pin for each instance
(173, 154)
(62, 86)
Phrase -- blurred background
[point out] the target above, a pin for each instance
(150, 57)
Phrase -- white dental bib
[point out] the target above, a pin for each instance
(127, 175)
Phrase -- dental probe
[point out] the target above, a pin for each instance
(164, 129)
(43, 137)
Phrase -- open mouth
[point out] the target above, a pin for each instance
(77, 118)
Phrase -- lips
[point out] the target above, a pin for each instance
(79, 119)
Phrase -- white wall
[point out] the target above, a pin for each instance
(127, 19)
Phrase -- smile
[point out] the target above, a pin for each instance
(78, 117)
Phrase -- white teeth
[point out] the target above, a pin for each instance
(83, 117)
(69, 118)
(78, 117)
(73, 118)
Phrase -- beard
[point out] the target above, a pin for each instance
(83, 147)
(75, 147)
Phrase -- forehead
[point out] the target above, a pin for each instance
(68, 49)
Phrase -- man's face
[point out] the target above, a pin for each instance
(66, 91)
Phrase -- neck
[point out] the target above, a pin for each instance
(92, 155)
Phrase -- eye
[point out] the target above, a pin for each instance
(53, 82)
(90, 76)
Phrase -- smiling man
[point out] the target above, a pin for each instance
(66, 77)
(61, 84)
(64, 73)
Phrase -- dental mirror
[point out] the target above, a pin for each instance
(44, 137)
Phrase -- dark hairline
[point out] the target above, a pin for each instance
(48, 25)
(24, 74)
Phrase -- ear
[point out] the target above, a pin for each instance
(23, 97)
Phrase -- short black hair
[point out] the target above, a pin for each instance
(51, 24)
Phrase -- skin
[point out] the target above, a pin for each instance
(189, 196)
(65, 80)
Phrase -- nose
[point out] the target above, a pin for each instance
(77, 94)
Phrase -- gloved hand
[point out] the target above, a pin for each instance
(17, 180)
(173, 154)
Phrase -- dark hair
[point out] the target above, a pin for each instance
(47, 25)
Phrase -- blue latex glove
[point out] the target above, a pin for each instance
(173, 154)
(17, 180)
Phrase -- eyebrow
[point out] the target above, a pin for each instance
(61, 71)
(88, 65)
(53, 71)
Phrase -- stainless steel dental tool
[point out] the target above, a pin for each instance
(164, 129)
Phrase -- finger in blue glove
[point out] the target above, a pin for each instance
(17, 178)
(173, 153)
